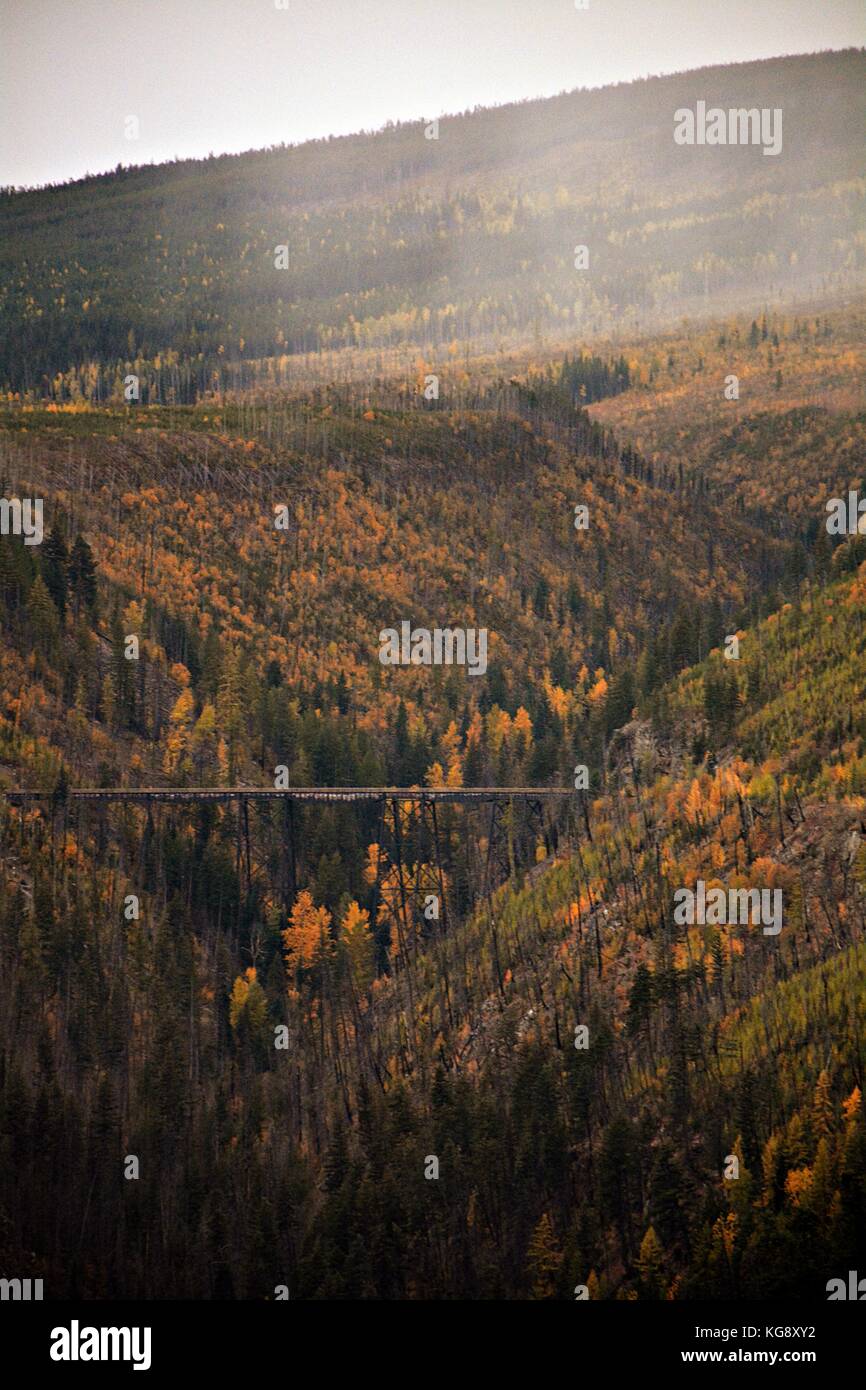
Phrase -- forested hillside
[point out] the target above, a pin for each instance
(175, 273)
(600, 1166)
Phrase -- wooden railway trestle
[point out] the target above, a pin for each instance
(502, 830)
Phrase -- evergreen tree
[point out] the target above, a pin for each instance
(55, 561)
(82, 576)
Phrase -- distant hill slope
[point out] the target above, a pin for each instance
(395, 238)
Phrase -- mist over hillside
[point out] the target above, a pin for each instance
(397, 237)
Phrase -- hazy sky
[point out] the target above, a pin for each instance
(218, 75)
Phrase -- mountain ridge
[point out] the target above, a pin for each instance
(110, 278)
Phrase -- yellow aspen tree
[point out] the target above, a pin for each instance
(357, 941)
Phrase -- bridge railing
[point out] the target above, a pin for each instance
(416, 794)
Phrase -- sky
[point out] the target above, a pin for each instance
(216, 76)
